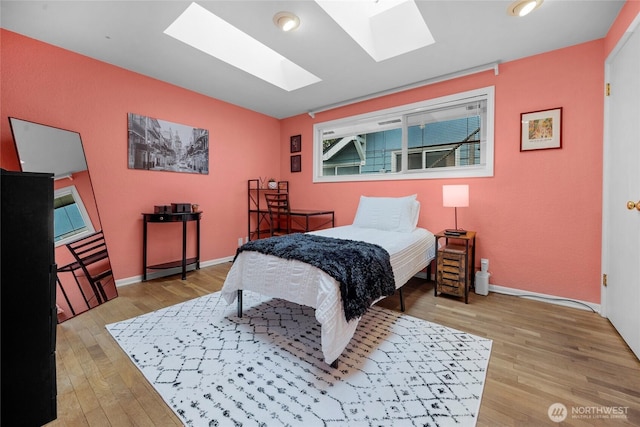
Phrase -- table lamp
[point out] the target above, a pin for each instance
(455, 196)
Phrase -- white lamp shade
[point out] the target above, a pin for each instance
(455, 196)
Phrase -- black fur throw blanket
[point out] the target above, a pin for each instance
(362, 269)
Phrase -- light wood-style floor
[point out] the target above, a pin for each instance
(542, 354)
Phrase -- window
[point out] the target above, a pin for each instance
(440, 138)
(70, 218)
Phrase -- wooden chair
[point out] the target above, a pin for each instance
(92, 257)
(279, 213)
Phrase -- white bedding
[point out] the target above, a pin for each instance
(295, 281)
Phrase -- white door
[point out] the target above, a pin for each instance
(621, 227)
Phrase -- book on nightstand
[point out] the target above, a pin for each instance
(455, 232)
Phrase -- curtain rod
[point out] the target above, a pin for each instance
(466, 72)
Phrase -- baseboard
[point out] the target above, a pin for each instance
(170, 271)
(552, 299)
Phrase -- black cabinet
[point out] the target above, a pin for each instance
(167, 218)
(27, 300)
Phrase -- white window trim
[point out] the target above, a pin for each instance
(348, 124)
(71, 189)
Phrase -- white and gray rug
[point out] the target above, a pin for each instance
(266, 368)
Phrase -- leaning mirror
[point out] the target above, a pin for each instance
(84, 276)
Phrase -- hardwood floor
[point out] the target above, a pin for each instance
(542, 354)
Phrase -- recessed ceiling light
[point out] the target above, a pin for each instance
(286, 21)
(523, 7)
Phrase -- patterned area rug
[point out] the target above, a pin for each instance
(266, 368)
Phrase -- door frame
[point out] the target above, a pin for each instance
(606, 162)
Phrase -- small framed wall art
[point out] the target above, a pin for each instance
(296, 163)
(296, 143)
(540, 130)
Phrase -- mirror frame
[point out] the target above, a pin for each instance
(61, 152)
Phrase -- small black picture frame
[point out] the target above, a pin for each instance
(296, 143)
(296, 163)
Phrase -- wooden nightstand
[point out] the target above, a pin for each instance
(455, 263)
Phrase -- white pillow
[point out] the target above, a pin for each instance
(388, 213)
(415, 215)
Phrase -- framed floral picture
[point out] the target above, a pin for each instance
(540, 130)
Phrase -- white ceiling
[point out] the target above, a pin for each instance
(468, 34)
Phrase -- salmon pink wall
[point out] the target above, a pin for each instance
(52, 86)
(539, 217)
(628, 13)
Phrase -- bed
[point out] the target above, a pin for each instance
(390, 223)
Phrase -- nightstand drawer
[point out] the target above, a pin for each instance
(451, 276)
(451, 288)
(451, 265)
(451, 261)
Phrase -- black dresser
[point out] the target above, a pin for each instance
(27, 300)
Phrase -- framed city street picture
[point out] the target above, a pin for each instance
(160, 145)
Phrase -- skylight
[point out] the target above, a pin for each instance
(203, 30)
(383, 28)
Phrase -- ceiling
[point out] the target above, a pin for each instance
(468, 34)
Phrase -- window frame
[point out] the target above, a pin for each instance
(89, 230)
(423, 155)
(358, 124)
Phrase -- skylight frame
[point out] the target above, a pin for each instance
(205, 31)
(384, 29)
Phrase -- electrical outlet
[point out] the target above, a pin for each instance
(239, 241)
